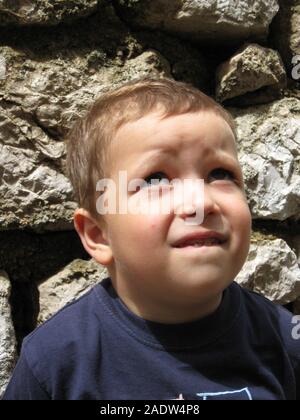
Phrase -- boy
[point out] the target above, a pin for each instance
(169, 322)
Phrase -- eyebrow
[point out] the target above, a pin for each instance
(154, 157)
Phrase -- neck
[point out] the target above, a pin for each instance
(165, 313)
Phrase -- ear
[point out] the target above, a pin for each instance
(93, 237)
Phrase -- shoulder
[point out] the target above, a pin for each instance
(269, 319)
(68, 335)
(257, 305)
(71, 316)
(66, 351)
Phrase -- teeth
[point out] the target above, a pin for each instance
(204, 242)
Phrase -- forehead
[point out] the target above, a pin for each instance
(205, 131)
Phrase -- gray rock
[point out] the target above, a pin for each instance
(39, 102)
(216, 21)
(47, 80)
(251, 68)
(269, 141)
(272, 270)
(44, 12)
(67, 285)
(285, 36)
(295, 243)
(8, 352)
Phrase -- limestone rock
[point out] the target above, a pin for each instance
(67, 285)
(272, 270)
(295, 243)
(39, 100)
(212, 21)
(48, 78)
(285, 36)
(252, 68)
(188, 64)
(7, 335)
(269, 141)
(44, 12)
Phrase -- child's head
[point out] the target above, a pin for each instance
(173, 131)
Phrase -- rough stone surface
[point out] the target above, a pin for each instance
(285, 35)
(34, 192)
(44, 12)
(269, 141)
(45, 88)
(295, 243)
(272, 270)
(215, 21)
(7, 335)
(39, 101)
(69, 284)
(252, 68)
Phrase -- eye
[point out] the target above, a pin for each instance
(221, 174)
(157, 178)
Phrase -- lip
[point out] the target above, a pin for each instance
(193, 236)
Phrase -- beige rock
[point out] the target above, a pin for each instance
(269, 141)
(29, 12)
(252, 68)
(47, 80)
(67, 285)
(37, 108)
(216, 21)
(272, 270)
(285, 36)
(8, 352)
(295, 242)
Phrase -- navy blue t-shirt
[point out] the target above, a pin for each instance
(97, 349)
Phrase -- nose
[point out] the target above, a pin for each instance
(197, 205)
(210, 205)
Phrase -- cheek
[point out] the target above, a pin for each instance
(155, 223)
(146, 231)
(242, 222)
(154, 228)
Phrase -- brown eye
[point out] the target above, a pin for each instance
(221, 174)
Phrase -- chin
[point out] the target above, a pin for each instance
(196, 288)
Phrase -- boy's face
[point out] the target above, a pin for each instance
(149, 272)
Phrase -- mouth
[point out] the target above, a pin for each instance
(201, 239)
(200, 243)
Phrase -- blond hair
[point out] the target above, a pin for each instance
(88, 141)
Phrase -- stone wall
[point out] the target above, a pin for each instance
(57, 56)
